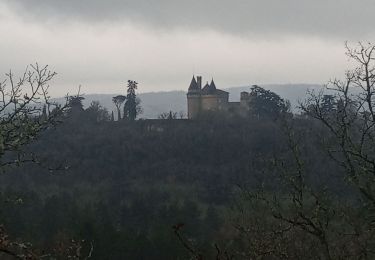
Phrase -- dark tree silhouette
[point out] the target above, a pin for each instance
(266, 103)
(168, 115)
(112, 116)
(97, 112)
(118, 101)
(132, 105)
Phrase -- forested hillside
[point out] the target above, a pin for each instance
(125, 184)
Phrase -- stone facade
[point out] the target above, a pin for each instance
(209, 98)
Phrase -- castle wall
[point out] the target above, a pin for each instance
(210, 102)
(237, 108)
(245, 98)
(223, 101)
(198, 103)
(212, 99)
(194, 105)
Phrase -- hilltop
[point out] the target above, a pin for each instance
(155, 103)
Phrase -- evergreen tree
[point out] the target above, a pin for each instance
(132, 105)
(96, 112)
(112, 117)
(265, 103)
(328, 104)
(44, 113)
(75, 105)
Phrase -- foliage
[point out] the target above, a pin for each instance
(132, 106)
(118, 101)
(329, 224)
(265, 103)
(128, 184)
(97, 112)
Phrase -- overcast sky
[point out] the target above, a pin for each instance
(100, 44)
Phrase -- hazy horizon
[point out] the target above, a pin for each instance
(102, 44)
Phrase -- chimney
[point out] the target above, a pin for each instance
(199, 81)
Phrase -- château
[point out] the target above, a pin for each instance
(210, 98)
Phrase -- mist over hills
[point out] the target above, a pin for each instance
(155, 103)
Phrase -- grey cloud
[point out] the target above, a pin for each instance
(347, 19)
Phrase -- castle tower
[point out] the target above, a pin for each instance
(194, 97)
(245, 97)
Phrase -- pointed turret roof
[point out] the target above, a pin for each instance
(212, 85)
(209, 88)
(193, 84)
(205, 88)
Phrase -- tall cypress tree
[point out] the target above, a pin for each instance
(131, 107)
(112, 117)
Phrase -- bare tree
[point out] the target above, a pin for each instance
(26, 109)
(352, 123)
(272, 220)
(168, 115)
(182, 114)
(296, 219)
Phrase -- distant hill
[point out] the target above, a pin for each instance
(155, 103)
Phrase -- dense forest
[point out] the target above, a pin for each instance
(127, 183)
(268, 185)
